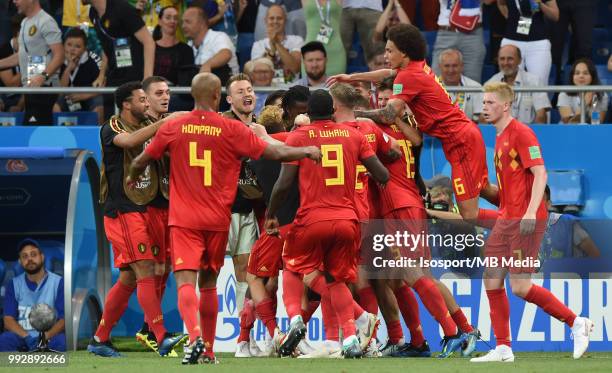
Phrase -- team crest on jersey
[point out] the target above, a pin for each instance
(398, 88)
(155, 250)
(32, 30)
(142, 248)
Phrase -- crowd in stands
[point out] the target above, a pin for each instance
(281, 43)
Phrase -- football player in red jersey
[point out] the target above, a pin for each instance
(517, 234)
(416, 85)
(325, 233)
(205, 164)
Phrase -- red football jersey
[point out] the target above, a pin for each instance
(437, 116)
(327, 190)
(401, 190)
(517, 149)
(205, 157)
(380, 144)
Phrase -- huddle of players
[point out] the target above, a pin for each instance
(321, 241)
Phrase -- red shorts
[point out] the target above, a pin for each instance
(194, 249)
(129, 237)
(157, 221)
(329, 245)
(266, 255)
(412, 220)
(469, 165)
(513, 250)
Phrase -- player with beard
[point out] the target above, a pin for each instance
(23, 292)
(158, 95)
(125, 221)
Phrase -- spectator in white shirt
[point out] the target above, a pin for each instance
(583, 73)
(451, 67)
(283, 50)
(528, 107)
(213, 50)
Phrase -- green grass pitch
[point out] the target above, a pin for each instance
(137, 360)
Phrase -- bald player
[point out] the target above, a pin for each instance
(205, 164)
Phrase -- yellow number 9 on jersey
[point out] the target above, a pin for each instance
(205, 162)
(337, 163)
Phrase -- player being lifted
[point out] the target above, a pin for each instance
(205, 164)
(517, 234)
(416, 85)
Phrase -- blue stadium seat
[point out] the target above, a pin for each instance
(2, 271)
(600, 35)
(605, 76)
(430, 37)
(555, 116)
(11, 119)
(601, 52)
(76, 118)
(487, 72)
(245, 44)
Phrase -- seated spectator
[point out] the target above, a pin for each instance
(30, 288)
(213, 50)
(393, 15)
(283, 50)
(315, 59)
(80, 69)
(583, 73)
(565, 237)
(451, 67)
(170, 54)
(528, 27)
(377, 61)
(261, 72)
(528, 107)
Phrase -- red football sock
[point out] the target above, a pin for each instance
(342, 302)
(188, 308)
(433, 301)
(330, 320)
(293, 288)
(312, 307)
(319, 286)
(394, 330)
(247, 320)
(487, 217)
(500, 315)
(461, 321)
(367, 300)
(160, 282)
(209, 307)
(409, 307)
(549, 303)
(114, 307)
(147, 298)
(266, 312)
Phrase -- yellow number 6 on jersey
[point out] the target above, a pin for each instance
(205, 162)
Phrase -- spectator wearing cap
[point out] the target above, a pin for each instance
(36, 285)
(39, 57)
(528, 107)
(469, 43)
(261, 72)
(451, 68)
(129, 49)
(283, 50)
(528, 27)
(315, 61)
(213, 50)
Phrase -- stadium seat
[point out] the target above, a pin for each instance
(605, 76)
(600, 35)
(2, 271)
(245, 44)
(601, 52)
(76, 118)
(487, 72)
(11, 119)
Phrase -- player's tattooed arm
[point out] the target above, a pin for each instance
(386, 115)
